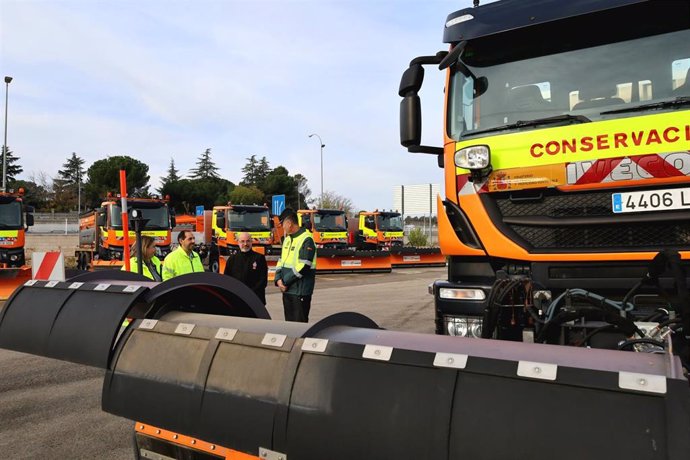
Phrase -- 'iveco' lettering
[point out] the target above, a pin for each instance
(668, 135)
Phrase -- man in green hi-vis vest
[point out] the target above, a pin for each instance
(296, 269)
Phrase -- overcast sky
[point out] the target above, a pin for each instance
(156, 80)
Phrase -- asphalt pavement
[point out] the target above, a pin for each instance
(52, 409)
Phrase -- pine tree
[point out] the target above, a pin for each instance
(205, 167)
(255, 172)
(173, 176)
(73, 172)
(249, 171)
(12, 169)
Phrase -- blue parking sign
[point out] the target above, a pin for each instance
(199, 210)
(278, 204)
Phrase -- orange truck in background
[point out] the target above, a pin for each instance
(230, 220)
(376, 230)
(101, 237)
(327, 226)
(15, 219)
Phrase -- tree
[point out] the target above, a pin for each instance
(104, 176)
(66, 185)
(303, 190)
(12, 169)
(255, 172)
(279, 182)
(205, 167)
(35, 194)
(186, 194)
(173, 176)
(247, 195)
(332, 200)
(72, 172)
(417, 238)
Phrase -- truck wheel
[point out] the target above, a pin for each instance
(214, 265)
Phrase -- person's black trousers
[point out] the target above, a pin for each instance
(296, 307)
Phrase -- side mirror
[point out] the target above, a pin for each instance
(411, 81)
(220, 220)
(410, 121)
(29, 220)
(101, 217)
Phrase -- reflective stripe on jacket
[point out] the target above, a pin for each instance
(179, 263)
(297, 264)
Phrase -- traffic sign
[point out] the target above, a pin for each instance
(278, 204)
(200, 210)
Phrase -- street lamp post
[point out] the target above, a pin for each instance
(4, 145)
(322, 146)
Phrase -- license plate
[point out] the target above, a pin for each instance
(651, 200)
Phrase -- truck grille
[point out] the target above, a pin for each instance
(555, 221)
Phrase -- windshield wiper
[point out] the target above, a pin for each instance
(538, 121)
(677, 102)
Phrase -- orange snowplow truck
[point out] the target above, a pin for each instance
(230, 220)
(376, 230)
(15, 219)
(328, 226)
(566, 155)
(101, 238)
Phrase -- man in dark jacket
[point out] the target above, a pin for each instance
(249, 267)
(296, 269)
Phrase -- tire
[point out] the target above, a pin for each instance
(214, 265)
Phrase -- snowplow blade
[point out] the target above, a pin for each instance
(340, 261)
(417, 257)
(351, 261)
(11, 279)
(344, 389)
(80, 320)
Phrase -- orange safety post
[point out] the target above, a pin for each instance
(125, 220)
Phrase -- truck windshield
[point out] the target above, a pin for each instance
(158, 216)
(251, 221)
(390, 223)
(11, 215)
(509, 84)
(329, 222)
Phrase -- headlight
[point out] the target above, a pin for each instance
(461, 294)
(14, 257)
(461, 326)
(456, 326)
(475, 157)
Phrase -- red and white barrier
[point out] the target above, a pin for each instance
(48, 266)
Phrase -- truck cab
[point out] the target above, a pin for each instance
(379, 230)
(328, 226)
(566, 157)
(101, 235)
(15, 219)
(228, 221)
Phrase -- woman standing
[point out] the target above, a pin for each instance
(151, 265)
